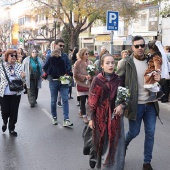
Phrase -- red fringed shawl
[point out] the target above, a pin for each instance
(101, 104)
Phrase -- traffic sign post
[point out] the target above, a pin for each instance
(112, 24)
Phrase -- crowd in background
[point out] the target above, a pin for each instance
(90, 88)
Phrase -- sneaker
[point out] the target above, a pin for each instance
(54, 121)
(67, 123)
(59, 104)
(147, 166)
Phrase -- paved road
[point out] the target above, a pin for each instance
(43, 146)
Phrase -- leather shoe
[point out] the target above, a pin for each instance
(32, 105)
(13, 133)
(92, 164)
(164, 101)
(4, 128)
(147, 166)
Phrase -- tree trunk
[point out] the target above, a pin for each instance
(74, 39)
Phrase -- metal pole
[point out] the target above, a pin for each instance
(111, 43)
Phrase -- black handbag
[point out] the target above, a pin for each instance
(14, 85)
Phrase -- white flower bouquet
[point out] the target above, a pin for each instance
(123, 96)
(65, 79)
(91, 71)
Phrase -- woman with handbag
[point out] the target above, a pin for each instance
(32, 66)
(10, 70)
(82, 79)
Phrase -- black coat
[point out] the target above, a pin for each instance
(55, 67)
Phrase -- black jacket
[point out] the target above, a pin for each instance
(55, 67)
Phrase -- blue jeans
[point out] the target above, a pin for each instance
(147, 113)
(55, 87)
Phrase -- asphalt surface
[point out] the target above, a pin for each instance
(43, 146)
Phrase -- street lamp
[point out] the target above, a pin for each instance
(55, 25)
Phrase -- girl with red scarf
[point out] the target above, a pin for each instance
(107, 131)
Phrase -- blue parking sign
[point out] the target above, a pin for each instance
(112, 20)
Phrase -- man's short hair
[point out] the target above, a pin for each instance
(136, 38)
(59, 40)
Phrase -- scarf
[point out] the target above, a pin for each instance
(35, 65)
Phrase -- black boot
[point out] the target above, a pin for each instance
(152, 97)
(4, 128)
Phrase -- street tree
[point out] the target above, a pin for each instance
(79, 15)
(163, 4)
(5, 32)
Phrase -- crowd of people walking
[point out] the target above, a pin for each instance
(97, 86)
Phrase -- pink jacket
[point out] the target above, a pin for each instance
(80, 72)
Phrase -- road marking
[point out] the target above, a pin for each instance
(48, 114)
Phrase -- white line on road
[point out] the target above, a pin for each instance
(48, 114)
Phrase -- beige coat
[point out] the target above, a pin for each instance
(80, 72)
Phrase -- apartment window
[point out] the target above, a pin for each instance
(143, 20)
(21, 21)
(27, 19)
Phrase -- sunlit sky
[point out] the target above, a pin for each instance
(7, 2)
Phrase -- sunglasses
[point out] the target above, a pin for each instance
(12, 55)
(86, 53)
(34, 52)
(139, 45)
(62, 46)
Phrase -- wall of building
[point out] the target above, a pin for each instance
(166, 31)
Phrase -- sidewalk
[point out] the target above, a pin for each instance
(164, 105)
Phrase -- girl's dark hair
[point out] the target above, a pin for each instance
(104, 56)
(74, 57)
(152, 45)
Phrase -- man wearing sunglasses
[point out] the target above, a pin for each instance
(132, 68)
(56, 87)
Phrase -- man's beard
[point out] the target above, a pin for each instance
(141, 58)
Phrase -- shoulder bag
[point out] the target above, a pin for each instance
(82, 89)
(14, 85)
